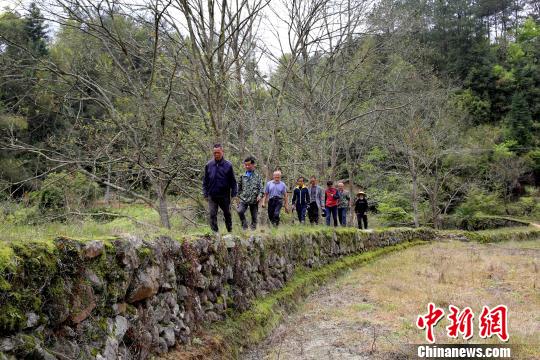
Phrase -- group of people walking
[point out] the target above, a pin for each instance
(220, 186)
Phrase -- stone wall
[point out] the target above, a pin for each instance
(127, 298)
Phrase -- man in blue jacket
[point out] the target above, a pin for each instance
(219, 186)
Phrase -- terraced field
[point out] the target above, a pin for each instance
(370, 312)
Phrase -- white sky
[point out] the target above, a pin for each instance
(272, 31)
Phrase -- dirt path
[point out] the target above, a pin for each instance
(370, 312)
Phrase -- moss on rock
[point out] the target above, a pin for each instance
(254, 324)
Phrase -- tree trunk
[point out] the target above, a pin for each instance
(163, 211)
(241, 109)
(434, 210)
(414, 195)
(160, 184)
(322, 161)
(350, 174)
(435, 200)
(108, 188)
(333, 159)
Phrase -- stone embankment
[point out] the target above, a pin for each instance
(129, 298)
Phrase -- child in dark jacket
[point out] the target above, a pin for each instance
(301, 199)
(360, 208)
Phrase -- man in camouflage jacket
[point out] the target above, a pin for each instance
(250, 192)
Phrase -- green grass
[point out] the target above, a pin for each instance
(508, 230)
(495, 232)
(362, 307)
(6, 264)
(509, 218)
(504, 234)
(140, 220)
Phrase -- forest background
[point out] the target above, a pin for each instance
(108, 109)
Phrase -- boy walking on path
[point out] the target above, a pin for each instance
(360, 208)
(275, 195)
(331, 199)
(344, 203)
(250, 192)
(301, 199)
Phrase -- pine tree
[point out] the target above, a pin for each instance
(520, 120)
(36, 31)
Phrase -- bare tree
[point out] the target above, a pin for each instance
(217, 32)
(319, 80)
(142, 133)
(505, 172)
(420, 137)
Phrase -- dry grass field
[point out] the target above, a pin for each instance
(370, 312)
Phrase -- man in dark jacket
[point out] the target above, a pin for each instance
(360, 208)
(219, 185)
(300, 199)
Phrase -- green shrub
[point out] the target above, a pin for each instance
(59, 194)
(480, 201)
(65, 190)
(392, 206)
(25, 216)
(525, 206)
(4, 192)
(534, 157)
(400, 199)
(13, 170)
(394, 215)
(49, 198)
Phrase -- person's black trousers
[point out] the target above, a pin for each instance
(313, 213)
(362, 218)
(274, 207)
(223, 203)
(301, 212)
(253, 209)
